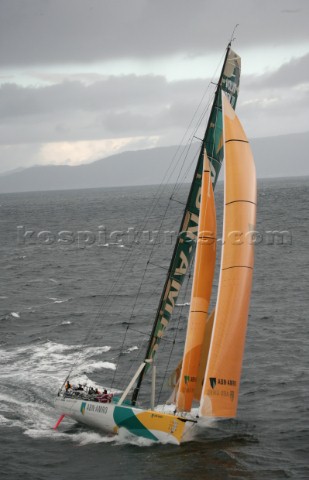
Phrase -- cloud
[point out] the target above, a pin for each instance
(38, 32)
(291, 73)
(139, 106)
(69, 153)
(277, 102)
(79, 121)
(110, 93)
(77, 153)
(116, 106)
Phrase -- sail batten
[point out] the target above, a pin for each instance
(240, 201)
(236, 140)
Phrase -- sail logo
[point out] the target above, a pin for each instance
(230, 85)
(213, 382)
(224, 381)
(83, 408)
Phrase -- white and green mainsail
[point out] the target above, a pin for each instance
(185, 244)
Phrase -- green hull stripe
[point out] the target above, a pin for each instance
(125, 417)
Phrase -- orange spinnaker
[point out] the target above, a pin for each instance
(173, 380)
(201, 291)
(204, 355)
(222, 377)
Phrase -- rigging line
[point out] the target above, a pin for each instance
(150, 255)
(197, 127)
(205, 93)
(130, 251)
(186, 173)
(146, 219)
(124, 378)
(163, 218)
(93, 325)
(196, 111)
(122, 383)
(151, 252)
(210, 100)
(121, 349)
(185, 158)
(140, 286)
(188, 129)
(192, 136)
(139, 331)
(109, 297)
(163, 339)
(203, 112)
(178, 201)
(189, 126)
(179, 320)
(158, 194)
(158, 266)
(192, 119)
(198, 108)
(232, 36)
(142, 280)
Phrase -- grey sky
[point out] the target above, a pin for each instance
(82, 79)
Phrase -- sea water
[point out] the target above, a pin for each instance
(75, 294)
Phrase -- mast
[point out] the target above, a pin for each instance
(185, 244)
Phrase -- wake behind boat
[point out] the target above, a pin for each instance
(205, 383)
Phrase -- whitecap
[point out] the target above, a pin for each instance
(4, 420)
(97, 366)
(126, 438)
(82, 438)
(15, 314)
(92, 351)
(131, 349)
(57, 300)
(86, 438)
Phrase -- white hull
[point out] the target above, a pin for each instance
(111, 418)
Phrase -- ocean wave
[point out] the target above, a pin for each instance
(57, 300)
(91, 367)
(131, 349)
(47, 364)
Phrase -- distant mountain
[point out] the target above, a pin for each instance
(274, 156)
